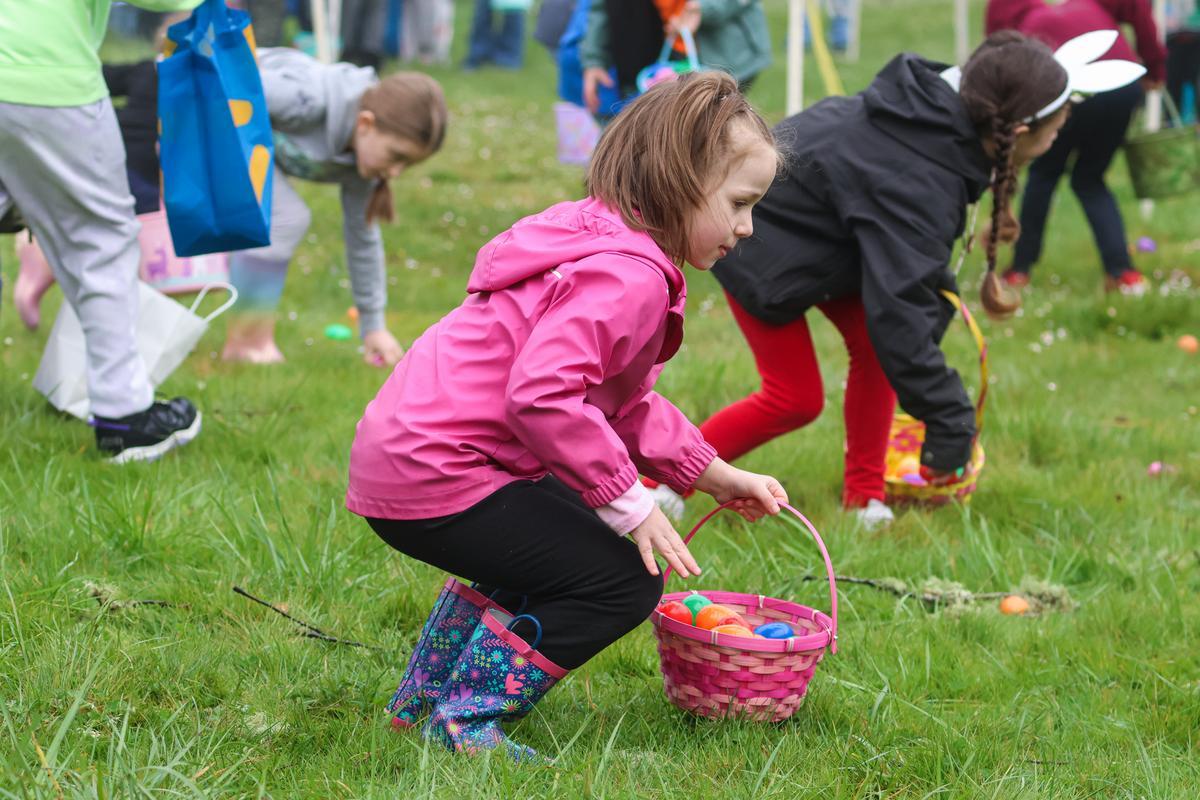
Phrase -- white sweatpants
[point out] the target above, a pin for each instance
(65, 169)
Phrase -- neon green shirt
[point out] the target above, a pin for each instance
(49, 49)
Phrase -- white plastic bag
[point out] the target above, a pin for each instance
(166, 334)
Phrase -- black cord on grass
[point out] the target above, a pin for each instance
(310, 631)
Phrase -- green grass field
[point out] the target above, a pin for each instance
(214, 695)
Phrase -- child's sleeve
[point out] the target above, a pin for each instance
(364, 256)
(1140, 16)
(594, 50)
(593, 328)
(165, 5)
(664, 443)
(903, 244)
(718, 12)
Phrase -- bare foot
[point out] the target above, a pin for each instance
(33, 280)
(242, 353)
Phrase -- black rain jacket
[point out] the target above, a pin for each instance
(873, 201)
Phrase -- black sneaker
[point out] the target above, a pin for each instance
(148, 434)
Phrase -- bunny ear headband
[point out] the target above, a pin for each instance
(1084, 73)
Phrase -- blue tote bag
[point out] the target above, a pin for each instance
(216, 143)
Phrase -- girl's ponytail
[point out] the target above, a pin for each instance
(1007, 80)
(996, 301)
(381, 207)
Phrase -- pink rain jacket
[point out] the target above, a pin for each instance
(547, 367)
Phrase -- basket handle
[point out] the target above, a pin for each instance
(981, 343)
(1172, 110)
(833, 604)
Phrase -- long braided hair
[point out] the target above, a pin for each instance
(1008, 79)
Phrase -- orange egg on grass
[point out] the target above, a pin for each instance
(1188, 343)
(1014, 604)
(710, 617)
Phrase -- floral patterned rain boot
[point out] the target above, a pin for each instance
(498, 678)
(454, 618)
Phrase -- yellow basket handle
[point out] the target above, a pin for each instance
(981, 343)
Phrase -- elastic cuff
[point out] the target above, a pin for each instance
(611, 489)
(629, 510)
(690, 468)
(946, 456)
(371, 321)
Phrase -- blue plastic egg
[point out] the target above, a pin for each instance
(775, 630)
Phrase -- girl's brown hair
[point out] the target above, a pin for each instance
(658, 160)
(409, 105)
(1007, 80)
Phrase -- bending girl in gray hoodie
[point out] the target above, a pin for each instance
(333, 123)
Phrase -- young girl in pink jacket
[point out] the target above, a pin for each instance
(505, 447)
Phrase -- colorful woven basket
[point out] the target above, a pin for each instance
(718, 675)
(901, 481)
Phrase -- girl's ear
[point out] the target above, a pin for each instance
(1017, 131)
(365, 121)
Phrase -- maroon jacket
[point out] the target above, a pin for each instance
(1056, 24)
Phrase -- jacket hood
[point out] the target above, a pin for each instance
(911, 102)
(561, 234)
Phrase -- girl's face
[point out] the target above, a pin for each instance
(383, 155)
(716, 226)
(1032, 143)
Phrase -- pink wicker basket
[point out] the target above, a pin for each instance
(718, 675)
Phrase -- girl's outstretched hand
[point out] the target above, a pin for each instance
(754, 495)
(657, 535)
(380, 349)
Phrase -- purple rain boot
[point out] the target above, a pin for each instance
(455, 615)
(499, 677)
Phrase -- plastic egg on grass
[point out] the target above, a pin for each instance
(1188, 343)
(1014, 604)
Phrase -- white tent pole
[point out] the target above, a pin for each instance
(335, 29)
(962, 22)
(797, 12)
(320, 23)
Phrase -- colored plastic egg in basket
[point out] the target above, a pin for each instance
(775, 630)
(713, 615)
(696, 602)
(734, 630)
(677, 611)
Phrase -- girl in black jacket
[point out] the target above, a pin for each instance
(862, 227)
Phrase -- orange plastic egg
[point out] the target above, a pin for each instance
(1188, 343)
(352, 313)
(734, 630)
(1014, 604)
(710, 617)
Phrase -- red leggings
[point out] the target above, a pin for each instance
(792, 395)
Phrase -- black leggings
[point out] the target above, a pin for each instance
(585, 584)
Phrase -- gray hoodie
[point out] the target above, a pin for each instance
(313, 108)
